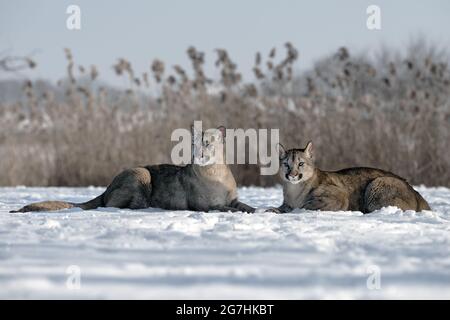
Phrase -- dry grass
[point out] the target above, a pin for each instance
(391, 112)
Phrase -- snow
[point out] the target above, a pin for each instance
(157, 254)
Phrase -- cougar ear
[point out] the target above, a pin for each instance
(281, 151)
(222, 130)
(309, 150)
(193, 131)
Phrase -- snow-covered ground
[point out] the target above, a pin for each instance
(161, 254)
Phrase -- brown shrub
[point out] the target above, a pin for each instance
(391, 114)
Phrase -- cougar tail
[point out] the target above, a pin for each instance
(58, 205)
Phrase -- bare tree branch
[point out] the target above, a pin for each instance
(15, 63)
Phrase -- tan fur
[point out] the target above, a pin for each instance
(191, 187)
(46, 206)
(355, 189)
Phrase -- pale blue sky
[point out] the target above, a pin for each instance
(143, 30)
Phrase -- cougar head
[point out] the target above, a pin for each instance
(296, 165)
(208, 146)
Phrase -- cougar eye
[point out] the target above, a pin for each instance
(301, 164)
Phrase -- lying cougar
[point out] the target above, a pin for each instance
(355, 189)
(191, 187)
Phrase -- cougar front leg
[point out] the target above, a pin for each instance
(241, 206)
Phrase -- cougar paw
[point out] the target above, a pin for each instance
(273, 209)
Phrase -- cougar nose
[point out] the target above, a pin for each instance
(290, 175)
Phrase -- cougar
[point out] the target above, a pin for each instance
(197, 187)
(355, 189)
